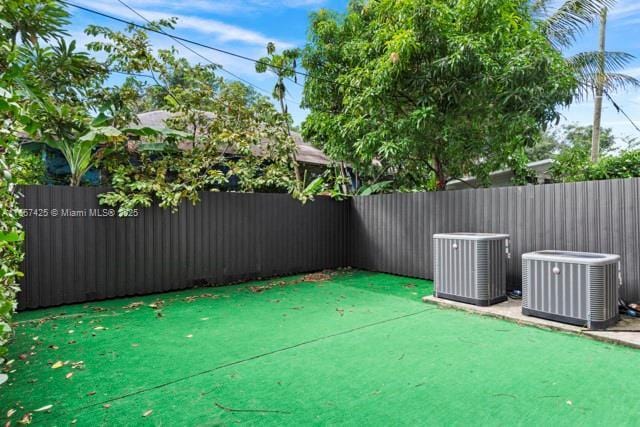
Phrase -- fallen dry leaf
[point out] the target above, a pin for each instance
(316, 277)
(10, 412)
(26, 418)
(91, 393)
(44, 408)
(53, 347)
(57, 365)
(133, 305)
(99, 328)
(147, 413)
(69, 375)
(106, 406)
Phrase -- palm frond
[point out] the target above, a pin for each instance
(539, 6)
(571, 19)
(619, 81)
(612, 83)
(589, 62)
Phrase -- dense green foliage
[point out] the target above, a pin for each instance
(423, 92)
(283, 65)
(233, 133)
(11, 235)
(19, 35)
(570, 149)
(27, 168)
(572, 136)
(571, 166)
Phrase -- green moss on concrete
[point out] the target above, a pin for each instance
(361, 348)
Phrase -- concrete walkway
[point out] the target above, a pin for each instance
(626, 332)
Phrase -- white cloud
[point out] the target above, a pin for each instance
(633, 72)
(629, 101)
(625, 9)
(223, 7)
(222, 32)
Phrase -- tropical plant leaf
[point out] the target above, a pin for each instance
(157, 147)
(589, 62)
(11, 236)
(100, 133)
(153, 131)
(570, 19)
(378, 187)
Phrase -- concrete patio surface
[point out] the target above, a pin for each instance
(626, 332)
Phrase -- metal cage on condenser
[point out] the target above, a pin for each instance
(580, 288)
(471, 267)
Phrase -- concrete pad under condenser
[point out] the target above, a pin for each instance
(626, 332)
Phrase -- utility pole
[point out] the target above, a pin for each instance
(599, 89)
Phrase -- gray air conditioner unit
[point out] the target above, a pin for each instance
(471, 267)
(580, 288)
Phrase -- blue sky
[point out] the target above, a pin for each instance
(245, 26)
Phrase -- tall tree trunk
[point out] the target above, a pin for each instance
(599, 89)
(343, 173)
(441, 179)
(296, 168)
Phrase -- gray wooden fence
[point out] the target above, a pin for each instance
(227, 237)
(230, 237)
(392, 233)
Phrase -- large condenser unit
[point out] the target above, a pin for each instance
(580, 288)
(471, 267)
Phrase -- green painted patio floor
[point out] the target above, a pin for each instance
(360, 349)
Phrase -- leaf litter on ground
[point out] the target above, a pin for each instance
(321, 276)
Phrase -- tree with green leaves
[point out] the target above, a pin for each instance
(599, 71)
(20, 99)
(570, 148)
(14, 120)
(28, 21)
(61, 78)
(423, 92)
(233, 132)
(283, 66)
(570, 137)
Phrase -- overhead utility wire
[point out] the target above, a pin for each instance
(193, 42)
(246, 58)
(620, 110)
(195, 52)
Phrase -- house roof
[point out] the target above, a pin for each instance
(305, 152)
(503, 177)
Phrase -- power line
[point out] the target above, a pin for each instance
(147, 76)
(193, 42)
(190, 49)
(620, 110)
